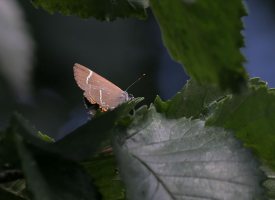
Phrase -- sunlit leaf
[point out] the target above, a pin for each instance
(162, 158)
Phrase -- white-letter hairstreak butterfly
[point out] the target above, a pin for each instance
(97, 90)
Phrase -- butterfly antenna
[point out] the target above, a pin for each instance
(142, 76)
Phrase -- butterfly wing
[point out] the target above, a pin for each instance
(97, 89)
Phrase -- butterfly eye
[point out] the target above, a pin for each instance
(130, 96)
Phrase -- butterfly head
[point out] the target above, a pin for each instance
(130, 96)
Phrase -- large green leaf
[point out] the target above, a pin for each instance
(251, 115)
(162, 158)
(204, 36)
(100, 9)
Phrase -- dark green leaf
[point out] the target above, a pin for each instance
(51, 178)
(45, 137)
(99, 9)
(22, 126)
(19, 125)
(5, 195)
(270, 182)
(251, 115)
(204, 36)
(89, 139)
(48, 175)
(11, 175)
(15, 188)
(162, 158)
(85, 141)
(8, 154)
(103, 169)
(194, 100)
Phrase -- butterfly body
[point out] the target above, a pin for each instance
(98, 90)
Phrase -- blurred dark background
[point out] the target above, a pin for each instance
(38, 50)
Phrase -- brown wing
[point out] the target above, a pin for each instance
(98, 89)
(80, 75)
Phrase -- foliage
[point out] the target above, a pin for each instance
(106, 177)
(251, 115)
(239, 112)
(44, 162)
(195, 145)
(194, 100)
(8, 195)
(100, 9)
(164, 158)
(205, 37)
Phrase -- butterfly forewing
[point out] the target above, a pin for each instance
(98, 89)
(80, 75)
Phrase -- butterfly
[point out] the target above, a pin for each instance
(98, 91)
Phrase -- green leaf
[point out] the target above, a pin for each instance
(251, 115)
(99, 9)
(5, 195)
(20, 125)
(14, 188)
(269, 184)
(8, 152)
(89, 139)
(103, 170)
(204, 36)
(50, 177)
(11, 176)
(194, 100)
(45, 137)
(85, 141)
(162, 158)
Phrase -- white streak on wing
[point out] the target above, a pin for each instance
(89, 76)
(100, 96)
